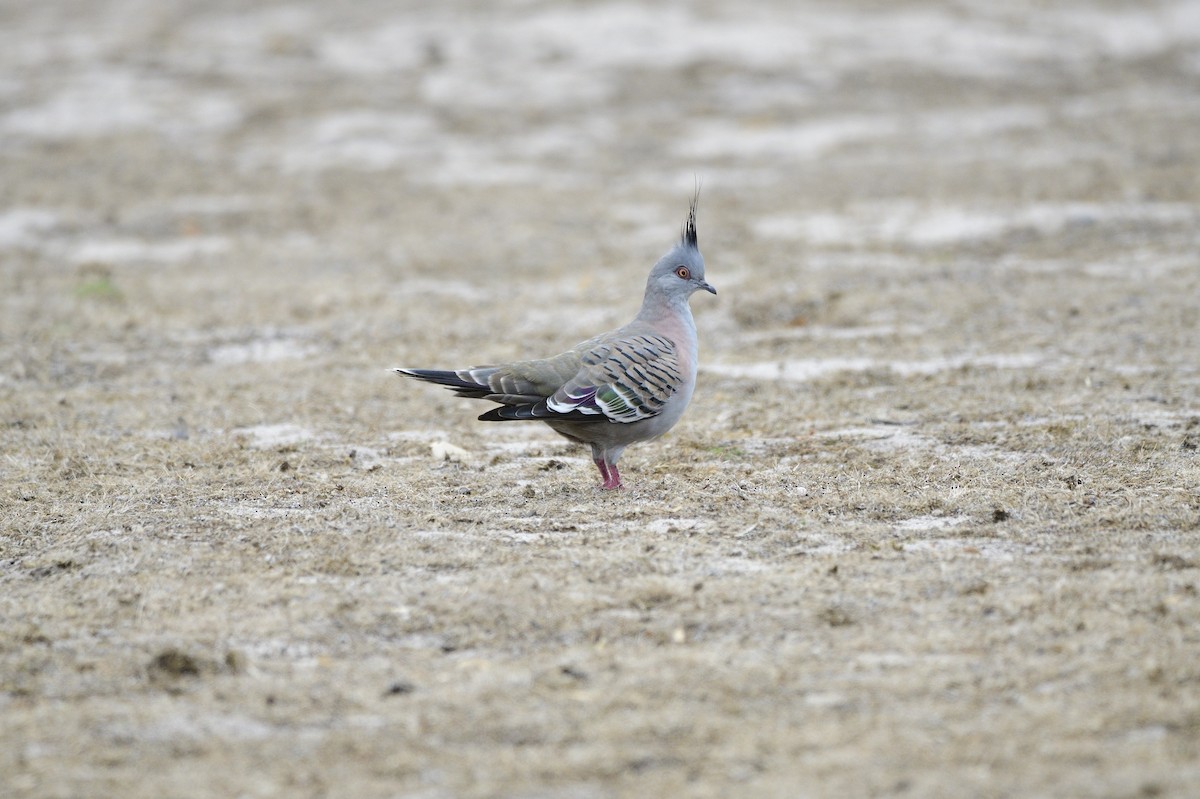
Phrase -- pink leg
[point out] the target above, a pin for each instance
(603, 467)
(613, 480)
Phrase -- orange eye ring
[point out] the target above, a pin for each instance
(682, 272)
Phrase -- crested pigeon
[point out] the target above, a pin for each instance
(619, 388)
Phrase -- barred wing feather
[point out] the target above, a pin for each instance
(624, 381)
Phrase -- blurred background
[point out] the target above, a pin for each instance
(282, 175)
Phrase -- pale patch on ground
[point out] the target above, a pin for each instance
(135, 250)
(260, 351)
(810, 369)
(904, 222)
(23, 227)
(112, 102)
(931, 522)
(266, 436)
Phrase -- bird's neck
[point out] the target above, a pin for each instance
(656, 307)
(670, 316)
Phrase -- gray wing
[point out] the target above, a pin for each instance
(623, 379)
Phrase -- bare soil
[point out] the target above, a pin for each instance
(930, 527)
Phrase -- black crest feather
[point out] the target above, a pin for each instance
(689, 227)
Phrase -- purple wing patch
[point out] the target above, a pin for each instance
(581, 399)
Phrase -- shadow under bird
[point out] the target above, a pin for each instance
(619, 388)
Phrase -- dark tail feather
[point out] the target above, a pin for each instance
(451, 380)
(464, 387)
(538, 411)
(515, 413)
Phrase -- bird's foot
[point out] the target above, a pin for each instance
(609, 473)
(612, 478)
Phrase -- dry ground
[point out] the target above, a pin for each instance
(930, 527)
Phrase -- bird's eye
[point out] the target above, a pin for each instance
(682, 272)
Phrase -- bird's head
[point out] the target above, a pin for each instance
(680, 272)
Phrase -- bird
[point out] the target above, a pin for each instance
(619, 388)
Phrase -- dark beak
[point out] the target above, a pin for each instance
(710, 288)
